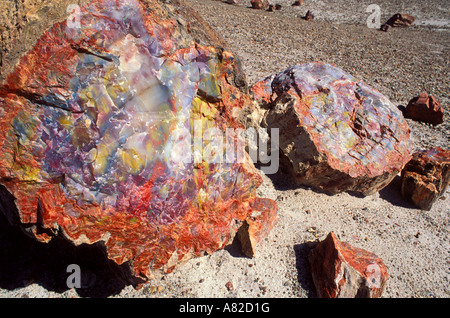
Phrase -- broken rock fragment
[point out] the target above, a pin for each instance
(257, 226)
(99, 131)
(336, 133)
(308, 16)
(426, 177)
(260, 4)
(425, 108)
(340, 270)
(398, 20)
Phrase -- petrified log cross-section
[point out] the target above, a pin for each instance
(97, 123)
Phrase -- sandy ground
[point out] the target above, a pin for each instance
(414, 244)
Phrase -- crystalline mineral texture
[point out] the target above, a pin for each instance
(340, 270)
(335, 132)
(426, 177)
(98, 137)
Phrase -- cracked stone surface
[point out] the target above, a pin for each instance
(340, 270)
(336, 133)
(97, 123)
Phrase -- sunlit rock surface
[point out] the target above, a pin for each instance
(260, 4)
(340, 270)
(98, 141)
(426, 177)
(425, 108)
(336, 133)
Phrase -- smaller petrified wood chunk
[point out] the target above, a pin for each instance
(257, 226)
(336, 133)
(425, 108)
(400, 20)
(260, 4)
(426, 177)
(342, 271)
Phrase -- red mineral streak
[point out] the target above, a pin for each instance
(340, 270)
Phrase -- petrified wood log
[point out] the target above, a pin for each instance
(97, 136)
(335, 132)
(426, 177)
(340, 270)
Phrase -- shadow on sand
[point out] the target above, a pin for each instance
(24, 261)
(303, 269)
(392, 194)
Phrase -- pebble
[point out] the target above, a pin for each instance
(312, 229)
(229, 286)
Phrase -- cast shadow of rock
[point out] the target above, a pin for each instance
(235, 249)
(303, 269)
(283, 181)
(392, 194)
(24, 261)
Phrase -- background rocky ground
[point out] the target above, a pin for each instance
(414, 244)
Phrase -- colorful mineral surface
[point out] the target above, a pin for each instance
(335, 132)
(102, 138)
(340, 270)
(426, 177)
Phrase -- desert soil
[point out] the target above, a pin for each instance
(414, 244)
